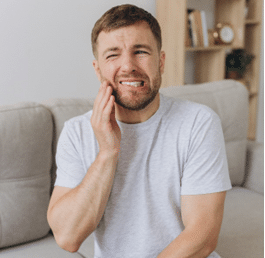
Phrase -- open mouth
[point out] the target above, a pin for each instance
(134, 84)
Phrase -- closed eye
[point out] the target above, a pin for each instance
(141, 52)
(110, 56)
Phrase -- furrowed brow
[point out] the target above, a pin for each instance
(111, 49)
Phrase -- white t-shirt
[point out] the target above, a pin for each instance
(178, 151)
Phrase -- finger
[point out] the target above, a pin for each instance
(99, 97)
(109, 108)
(103, 85)
(105, 98)
(102, 102)
(104, 89)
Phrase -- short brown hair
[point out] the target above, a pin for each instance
(122, 16)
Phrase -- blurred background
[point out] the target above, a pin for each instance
(45, 49)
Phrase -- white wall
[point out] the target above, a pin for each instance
(45, 49)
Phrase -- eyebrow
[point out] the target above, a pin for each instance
(137, 46)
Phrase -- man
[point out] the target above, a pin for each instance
(146, 173)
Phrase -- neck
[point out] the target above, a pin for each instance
(135, 117)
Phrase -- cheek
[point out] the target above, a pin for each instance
(108, 71)
(153, 68)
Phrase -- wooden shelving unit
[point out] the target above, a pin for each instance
(210, 62)
(253, 24)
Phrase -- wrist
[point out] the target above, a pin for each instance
(108, 155)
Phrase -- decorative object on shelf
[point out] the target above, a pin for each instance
(224, 33)
(211, 38)
(236, 63)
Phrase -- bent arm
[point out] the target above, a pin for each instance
(73, 214)
(202, 217)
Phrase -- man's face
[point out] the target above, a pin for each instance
(129, 59)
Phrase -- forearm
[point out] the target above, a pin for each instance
(190, 244)
(77, 214)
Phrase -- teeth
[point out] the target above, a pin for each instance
(134, 84)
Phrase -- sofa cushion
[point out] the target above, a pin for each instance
(25, 162)
(62, 110)
(44, 248)
(87, 247)
(229, 99)
(242, 229)
(254, 179)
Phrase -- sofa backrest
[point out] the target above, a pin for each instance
(228, 98)
(25, 162)
(61, 111)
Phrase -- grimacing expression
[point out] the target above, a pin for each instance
(129, 59)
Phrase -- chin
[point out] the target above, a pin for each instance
(135, 103)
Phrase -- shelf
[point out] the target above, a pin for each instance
(209, 62)
(252, 22)
(211, 48)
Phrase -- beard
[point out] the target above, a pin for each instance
(134, 100)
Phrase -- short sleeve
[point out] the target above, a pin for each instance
(70, 169)
(206, 169)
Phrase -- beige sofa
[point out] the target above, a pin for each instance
(28, 136)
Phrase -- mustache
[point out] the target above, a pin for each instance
(135, 75)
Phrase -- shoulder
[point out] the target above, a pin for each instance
(77, 126)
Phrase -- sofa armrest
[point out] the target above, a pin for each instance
(254, 179)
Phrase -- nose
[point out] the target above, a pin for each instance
(128, 63)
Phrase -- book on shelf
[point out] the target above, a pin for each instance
(204, 29)
(188, 33)
(196, 29)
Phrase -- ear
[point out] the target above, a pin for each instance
(162, 61)
(97, 70)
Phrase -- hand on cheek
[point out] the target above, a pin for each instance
(103, 120)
